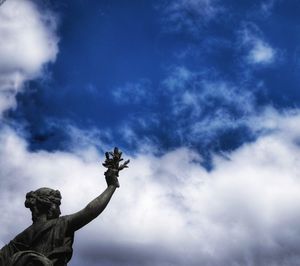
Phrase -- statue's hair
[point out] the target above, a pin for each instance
(46, 200)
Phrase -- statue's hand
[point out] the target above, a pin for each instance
(112, 162)
(111, 177)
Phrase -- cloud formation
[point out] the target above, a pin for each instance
(258, 50)
(28, 42)
(261, 53)
(205, 108)
(199, 108)
(170, 210)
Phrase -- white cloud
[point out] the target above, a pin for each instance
(169, 210)
(188, 89)
(206, 107)
(244, 212)
(261, 53)
(28, 41)
(258, 50)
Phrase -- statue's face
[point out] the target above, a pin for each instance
(53, 212)
(44, 202)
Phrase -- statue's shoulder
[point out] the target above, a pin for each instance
(25, 236)
(35, 230)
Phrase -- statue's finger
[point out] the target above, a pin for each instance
(116, 150)
(105, 165)
(122, 167)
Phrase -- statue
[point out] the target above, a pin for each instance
(48, 241)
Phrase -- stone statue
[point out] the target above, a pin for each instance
(48, 241)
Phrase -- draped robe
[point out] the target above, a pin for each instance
(45, 243)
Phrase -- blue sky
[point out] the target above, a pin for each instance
(202, 95)
(115, 60)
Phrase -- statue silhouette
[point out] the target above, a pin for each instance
(48, 241)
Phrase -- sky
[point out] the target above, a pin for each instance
(201, 95)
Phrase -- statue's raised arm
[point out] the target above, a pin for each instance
(48, 241)
(96, 206)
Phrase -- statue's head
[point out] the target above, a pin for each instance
(43, 201)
